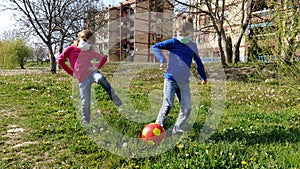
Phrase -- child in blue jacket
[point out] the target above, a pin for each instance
(182, 51)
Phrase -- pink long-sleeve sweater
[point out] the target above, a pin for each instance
(80, 61)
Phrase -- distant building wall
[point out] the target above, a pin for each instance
(133, 26)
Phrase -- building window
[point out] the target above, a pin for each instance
(207, 20)
(201, 38)
(131, 11)
(131, 35)
(216, 37)
(160, 8)
(216, 54)
(225, 17)
(131, 23)
(131, 46)
(105, 35)
(226, 14)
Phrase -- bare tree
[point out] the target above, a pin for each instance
(68, 18)
(96, 15)
(217, 10)
(55, 22)
(13, 34)
(247, 7)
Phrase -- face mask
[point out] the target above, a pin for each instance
(184, 39)
(84, 45)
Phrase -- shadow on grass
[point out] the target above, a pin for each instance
(276, 134)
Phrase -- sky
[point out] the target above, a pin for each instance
(112, 2)
(7, 20)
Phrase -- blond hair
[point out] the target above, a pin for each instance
(184, 24)
(85, 35)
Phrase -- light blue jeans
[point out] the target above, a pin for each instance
(85, 93)
(182, 91)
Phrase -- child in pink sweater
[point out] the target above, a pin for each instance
(80, 56)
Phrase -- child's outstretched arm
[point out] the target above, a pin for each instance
(200, 68)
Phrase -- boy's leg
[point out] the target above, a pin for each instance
(85, 96)
(100, 79)
(168, 101)
(185, 109)
(180, 125)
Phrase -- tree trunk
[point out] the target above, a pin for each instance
(236, 57)
(22, 66)
(52, 60)
(222, 53)
(229, 49)
(221, 34)
(53, 64)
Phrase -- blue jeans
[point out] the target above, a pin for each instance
(182, 91)
(85, 92)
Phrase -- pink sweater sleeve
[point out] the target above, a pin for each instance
(102, 62)
(102, 59)
(62, 61)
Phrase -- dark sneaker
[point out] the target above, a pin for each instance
(116, 100)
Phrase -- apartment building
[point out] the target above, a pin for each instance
(207, 38)
(132, 27)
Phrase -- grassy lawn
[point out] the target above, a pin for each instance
(258, 127)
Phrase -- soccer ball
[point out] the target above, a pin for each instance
(153, 133)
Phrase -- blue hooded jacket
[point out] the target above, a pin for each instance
(180, 59)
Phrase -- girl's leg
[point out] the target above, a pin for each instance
(169, 92)
(85, 95)
(184, 98)
(100, 79)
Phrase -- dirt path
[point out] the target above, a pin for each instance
(9, 72)
(232, 73)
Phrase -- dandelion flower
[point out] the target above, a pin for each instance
(243, 162)
(180, 146)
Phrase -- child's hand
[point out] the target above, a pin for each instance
(163, 66)
(204, 82)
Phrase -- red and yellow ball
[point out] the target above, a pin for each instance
(153, 134)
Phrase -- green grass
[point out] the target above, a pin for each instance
(260, 126)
